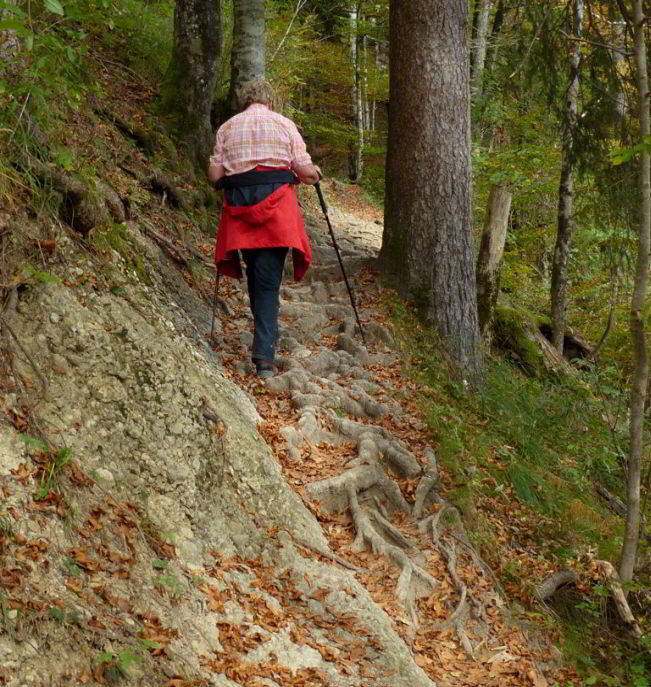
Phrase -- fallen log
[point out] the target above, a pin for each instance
(553, 583)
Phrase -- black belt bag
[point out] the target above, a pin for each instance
(257, 178)
(251, 188)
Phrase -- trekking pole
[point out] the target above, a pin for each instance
(214, 303)
(317, 186)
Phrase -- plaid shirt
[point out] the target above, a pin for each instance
(258, 136)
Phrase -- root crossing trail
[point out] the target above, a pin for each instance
(337, 416)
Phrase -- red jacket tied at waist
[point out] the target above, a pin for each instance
(274, 222)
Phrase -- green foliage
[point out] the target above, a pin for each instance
(545, 438)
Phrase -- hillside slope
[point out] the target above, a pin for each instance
(167, 519)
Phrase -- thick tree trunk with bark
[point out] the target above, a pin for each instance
(248, 54)
(640, 352)
(190, 81)
(564, 231)
(427, 241)
(478, 56)
(490, 255)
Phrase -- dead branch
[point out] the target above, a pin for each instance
(619, 597)
(553, 583)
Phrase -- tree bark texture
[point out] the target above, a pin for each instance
(427, 241)
(478, 56)
(490, 255)
(248, 54)
(638, 335)
(190, 81)
(564, 227)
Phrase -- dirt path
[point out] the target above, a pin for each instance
(338, 418)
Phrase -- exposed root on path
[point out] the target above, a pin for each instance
(460, 614)
(367, 534)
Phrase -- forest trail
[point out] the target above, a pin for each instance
(342, 422)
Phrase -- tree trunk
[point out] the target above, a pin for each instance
(427, 241)
(357, 144)
(190, 80)
(490, 255)
(248, 54)
(564, 229)
(376, 80)
(498, 22)
(478, 58)
(365, 100)
(640, 353)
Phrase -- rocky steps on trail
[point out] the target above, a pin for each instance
(177, 547)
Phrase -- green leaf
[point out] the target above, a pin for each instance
(14, 25)
(12, 9)
(29, 42)
(65, 158)
(160, 564)
(54, 6)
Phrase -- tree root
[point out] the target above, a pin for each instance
(159, 184)
(426, 484)
(458, 617)
(142, 139)
(333, 492)
(83, 207)
(367, 534)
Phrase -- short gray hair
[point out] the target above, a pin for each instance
(256, 91)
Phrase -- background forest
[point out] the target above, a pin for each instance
(539, 453)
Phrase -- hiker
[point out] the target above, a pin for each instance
(258, 156)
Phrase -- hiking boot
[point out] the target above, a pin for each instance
(264, 370)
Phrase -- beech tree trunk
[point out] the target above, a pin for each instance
(490, 255)
(248, 54)
(638, 337)
(427, 241)
(564, 229)
(357, 146)
(478, 57)
(190, 81)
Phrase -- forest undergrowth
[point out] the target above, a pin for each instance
(523, 461)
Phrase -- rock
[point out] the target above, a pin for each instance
(104, 477)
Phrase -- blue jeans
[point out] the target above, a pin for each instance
(264, 274)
